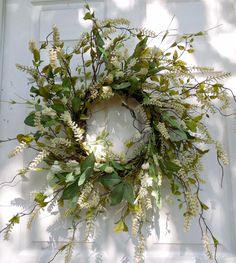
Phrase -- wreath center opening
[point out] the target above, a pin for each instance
(118, 126)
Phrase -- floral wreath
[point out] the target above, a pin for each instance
(84, 175)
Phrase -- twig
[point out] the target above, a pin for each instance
(7, 140)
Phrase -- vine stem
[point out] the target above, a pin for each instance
(84, 70)
(8, 140)
(21, 214)
(11, 181)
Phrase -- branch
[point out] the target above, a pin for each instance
(7, 140)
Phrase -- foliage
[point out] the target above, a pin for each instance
(174, 103)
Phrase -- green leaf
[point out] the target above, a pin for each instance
(171, 166)
(171, 120)
(110, 180)
(204, 206)
(198, 118)
(102, 51)
(190, 51)
(59, 107)
(88, 16)
(50, 123)
(117, 194)
(134, 80)
(174, 44)
(120, 226)
(37, 135)
(34, 90)
(216, 242)
(70, 191)
(202, 151)
(56, 88)
(39, 198)
(140, 47)
(88, 162)
(44, 92)
(175, 55)
(123, 85)
(88, 63)
(90, 212)
(86, 48)
(76, 102)
(129, 193)
(192, 180)
(29, 120)
(44, 45)
(86, 168)
(181, 47)
(199, 34)
(15, 219)
(87, 173)
(117, 165)
(24, 138)
(99, 40)
(192, 125)
(177, 135)
(38, 107)
(164, 36)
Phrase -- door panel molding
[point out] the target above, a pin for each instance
(55, 2)
(2, 34)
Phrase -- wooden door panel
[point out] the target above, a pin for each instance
(167, 242)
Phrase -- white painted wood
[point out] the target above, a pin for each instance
(168, 243)
(70, 29)
(55, 2)
(2, 30)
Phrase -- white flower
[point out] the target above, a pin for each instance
(146, 180)
(97, 167)
(38, 159)
(77, 170)
(64, 100)
(106, 89)
(116, 63)
(48, 111)
(109, 169)
(91, 145)
(32, 46)
(72, 163)
(119, 74)
(132, 62)
(66, 116)
(18, 149)
(53, 58)
(78, 132)
(137, 136)
(70, 178)
(162, 129)
(145, 166)
(207, 246)
(107, 92)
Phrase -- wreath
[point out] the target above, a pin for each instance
(168, 104)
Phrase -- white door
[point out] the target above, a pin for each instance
(22, 20)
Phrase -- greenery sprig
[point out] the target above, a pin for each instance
(83, 174)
